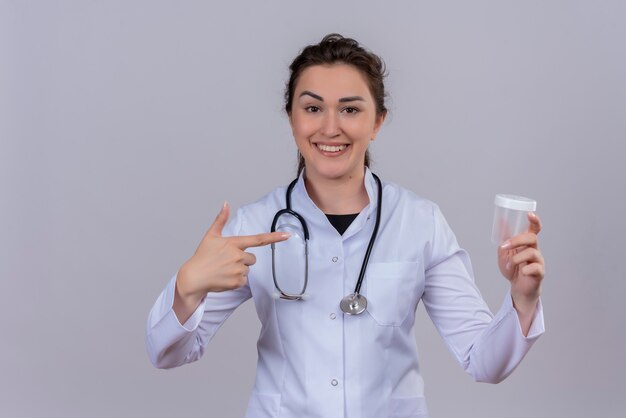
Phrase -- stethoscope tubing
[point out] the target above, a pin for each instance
(354, 303)
(368, 252)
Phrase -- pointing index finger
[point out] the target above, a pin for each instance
(259, 240)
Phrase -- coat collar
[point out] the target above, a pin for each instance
(301, 202)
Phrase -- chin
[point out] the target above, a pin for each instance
(333, 172)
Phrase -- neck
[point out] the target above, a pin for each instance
(338, 196)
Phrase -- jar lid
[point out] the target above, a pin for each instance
(510, 201)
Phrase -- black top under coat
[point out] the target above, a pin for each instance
(341, 222)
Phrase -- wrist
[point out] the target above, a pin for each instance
(524, 303)
(184, 287)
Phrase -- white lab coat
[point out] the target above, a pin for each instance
(314, 361)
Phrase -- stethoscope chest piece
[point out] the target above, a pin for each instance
(353, 304)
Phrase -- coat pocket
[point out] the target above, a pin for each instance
(392, 291)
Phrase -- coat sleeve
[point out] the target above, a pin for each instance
(488, 347)
(170, 343)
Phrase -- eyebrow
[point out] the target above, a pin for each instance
(342, 100)
(313, 95)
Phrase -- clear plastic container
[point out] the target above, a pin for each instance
(510, 217)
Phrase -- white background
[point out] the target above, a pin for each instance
(125, 124)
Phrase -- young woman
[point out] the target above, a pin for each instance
(374, 250)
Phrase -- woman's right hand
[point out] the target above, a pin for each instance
(219, 264)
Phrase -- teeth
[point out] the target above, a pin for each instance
(331, 148)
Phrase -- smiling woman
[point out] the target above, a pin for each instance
(346, 229)
(333, 120)
(335, 49)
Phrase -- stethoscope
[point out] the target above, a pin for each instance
(352, 304)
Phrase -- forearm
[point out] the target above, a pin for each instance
(171, 342)
(503, 344)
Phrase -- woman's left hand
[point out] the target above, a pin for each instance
(521, 263)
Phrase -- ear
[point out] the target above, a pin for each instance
(378, 123)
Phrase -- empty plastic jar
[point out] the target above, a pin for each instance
(511, 216)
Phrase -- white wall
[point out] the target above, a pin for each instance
(125, 124)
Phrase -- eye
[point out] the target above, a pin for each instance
(350, 110)
(312, 109)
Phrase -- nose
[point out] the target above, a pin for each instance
(330, 125)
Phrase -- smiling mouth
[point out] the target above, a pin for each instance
(331, 148)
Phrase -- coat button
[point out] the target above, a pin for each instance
(334, 382)
(335, 259)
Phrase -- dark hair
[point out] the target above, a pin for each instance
(333, 49)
